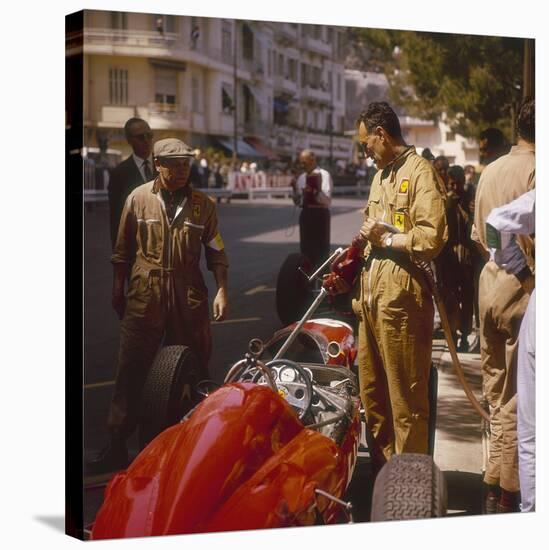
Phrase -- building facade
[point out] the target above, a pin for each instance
(363, 87)
(283, 90)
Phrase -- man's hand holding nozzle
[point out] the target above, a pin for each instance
(335, 284)
(374, 232)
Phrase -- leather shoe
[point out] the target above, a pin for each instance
(111, 458)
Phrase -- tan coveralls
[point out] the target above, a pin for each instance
(395, 308)
(502, 303)
(167, 297)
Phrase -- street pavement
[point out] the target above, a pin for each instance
(259, 234)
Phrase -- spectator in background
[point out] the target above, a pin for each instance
(441, 166)
(492, 145)
(503, 301)
(463, 249)
(313, 193)
(427, 154)
(137, 169)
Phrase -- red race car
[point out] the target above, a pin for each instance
(275, 446)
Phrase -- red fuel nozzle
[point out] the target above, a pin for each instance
(346, 265)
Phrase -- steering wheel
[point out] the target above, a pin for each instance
(299, 391)
(262, 370)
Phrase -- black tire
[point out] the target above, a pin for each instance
(409, 486)
(169, 392)
(293, 293)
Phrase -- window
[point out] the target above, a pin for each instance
(226, 41)
(338, 87)
(118, 86)
(195, 94)
(227, 102)
(280, 65)
(165, 90)
(269, 62)
(330, 77)
(119, 20)
(247, 42)
(292, 70)
(303, 75)
(450, 136)
(315, 119)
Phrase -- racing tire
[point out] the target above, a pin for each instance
(169, 392)
(409, 486)
(293, 294)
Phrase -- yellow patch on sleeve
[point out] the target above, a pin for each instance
(398, 221)
(404, 184)
(217, 243)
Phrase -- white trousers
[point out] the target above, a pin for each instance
(526, 407)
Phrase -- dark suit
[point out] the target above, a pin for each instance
(124, 179)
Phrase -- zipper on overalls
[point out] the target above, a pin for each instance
(370, 272)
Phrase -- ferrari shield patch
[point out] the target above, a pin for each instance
(196, 211)
(398, 221)
(404, 184)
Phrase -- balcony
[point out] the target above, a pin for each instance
(286, 34)
(168, 116)
(129, 42)
(285, 84)
(116, 115)
(316, 95)
(316, 45)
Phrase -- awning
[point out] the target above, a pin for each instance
(244, 150)
(257, 144)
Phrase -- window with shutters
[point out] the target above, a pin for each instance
(165, 90)
(118, 86)
(227, 102)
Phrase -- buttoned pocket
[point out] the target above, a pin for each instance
(193, 237)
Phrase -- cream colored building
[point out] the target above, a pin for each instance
(178, 73)
(363, 87)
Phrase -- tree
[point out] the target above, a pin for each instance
(475, 80)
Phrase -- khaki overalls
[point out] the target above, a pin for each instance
(167, 299)
(395, 308)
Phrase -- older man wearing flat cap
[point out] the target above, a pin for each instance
(163, 227)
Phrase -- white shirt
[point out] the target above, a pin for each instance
(324, 196)
(139, 163)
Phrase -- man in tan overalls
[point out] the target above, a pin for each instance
(502, 303)
(163, 226)
(393, 304)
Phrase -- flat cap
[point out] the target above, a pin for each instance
(172, 148)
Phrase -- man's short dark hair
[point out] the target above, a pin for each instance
(129, 123)
(494, 137)
(443, 159)
(456, 172)
(379, 113)
(526, 120)
(427, 154)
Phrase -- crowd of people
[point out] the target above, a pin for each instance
(420, 210)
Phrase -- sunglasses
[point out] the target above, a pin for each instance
(147, 136)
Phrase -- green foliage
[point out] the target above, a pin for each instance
(475, 80)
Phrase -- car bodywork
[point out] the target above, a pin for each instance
(242, 459)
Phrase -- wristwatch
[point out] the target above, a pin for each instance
(388, 241)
